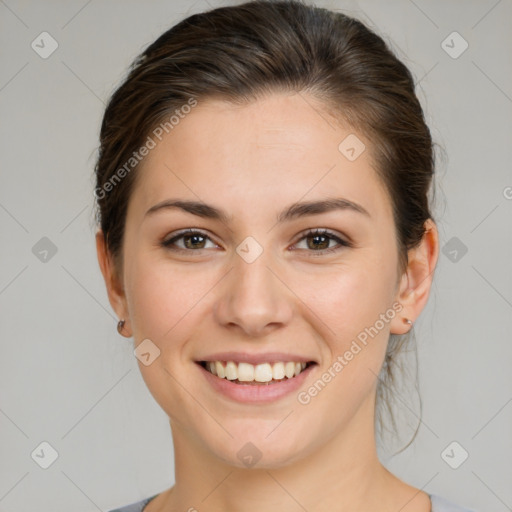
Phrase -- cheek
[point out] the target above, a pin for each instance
(168, 306)
(161, 302)
(347, 297)
(159, 295)
(351, 302)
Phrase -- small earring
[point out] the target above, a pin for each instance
(407, 321)
(120, 326)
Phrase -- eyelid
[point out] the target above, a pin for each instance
(166, 242)
(341, 240)
(323, 231)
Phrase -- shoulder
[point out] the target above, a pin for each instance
(440, 504)
(134, 507)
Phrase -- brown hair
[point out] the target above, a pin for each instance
(239, 53)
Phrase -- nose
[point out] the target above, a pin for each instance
(254, 297)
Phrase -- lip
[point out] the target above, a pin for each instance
(256, 393)
(267, 357)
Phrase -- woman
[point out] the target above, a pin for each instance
(266, 238)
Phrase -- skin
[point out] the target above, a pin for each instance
(253, 161)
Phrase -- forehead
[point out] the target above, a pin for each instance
(277, 149)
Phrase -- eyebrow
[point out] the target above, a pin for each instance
(293, 211)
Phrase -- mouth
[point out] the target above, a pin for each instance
(263, 374)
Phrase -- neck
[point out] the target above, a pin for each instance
(342, 473)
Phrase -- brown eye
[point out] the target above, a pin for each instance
(192, 240)
(318, 241)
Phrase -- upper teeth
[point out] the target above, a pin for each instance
(260, 373)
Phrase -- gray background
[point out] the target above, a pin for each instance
(68, 378)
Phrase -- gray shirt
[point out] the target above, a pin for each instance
(439, 504)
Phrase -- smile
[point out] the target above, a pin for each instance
(252, 384)
(246, 373)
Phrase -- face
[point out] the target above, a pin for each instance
(258, 284)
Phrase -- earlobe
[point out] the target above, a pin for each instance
(114, 287)
(417, 279)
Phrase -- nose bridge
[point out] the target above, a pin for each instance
(253, 297)
(252, 277)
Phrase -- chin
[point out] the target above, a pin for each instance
(259, 448)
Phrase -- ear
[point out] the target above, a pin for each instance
(417, 279)
(113, 283)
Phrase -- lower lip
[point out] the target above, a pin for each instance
(256, 393)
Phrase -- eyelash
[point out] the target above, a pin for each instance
(167, 244)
